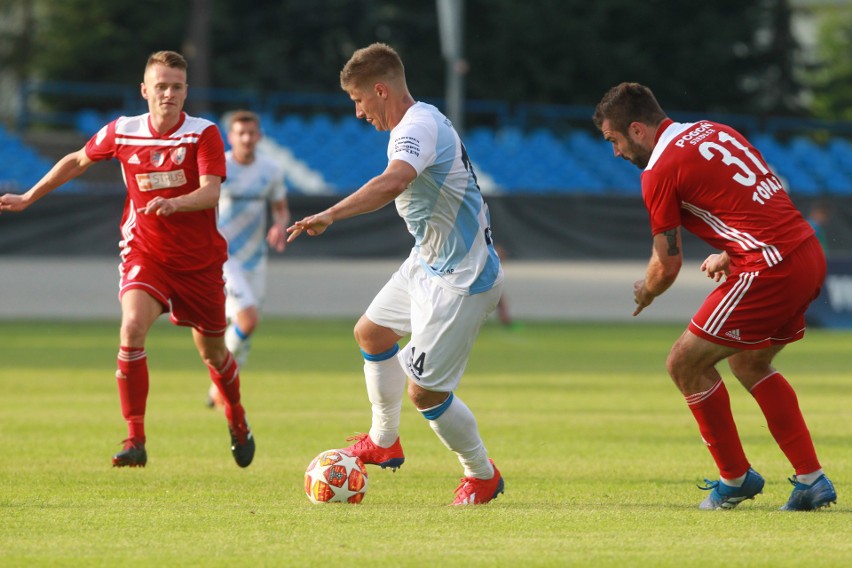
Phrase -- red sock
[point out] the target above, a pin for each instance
(132, 380)
(779, 404)
(227, 380)
(712, 411)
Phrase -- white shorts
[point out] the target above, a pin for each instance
(443, 324)
(243, 289)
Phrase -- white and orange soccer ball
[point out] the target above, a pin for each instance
(335, 476)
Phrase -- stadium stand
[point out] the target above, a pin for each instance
(327, 153)
(346, 152)
(21, 166)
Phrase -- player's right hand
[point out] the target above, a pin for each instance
(641, 297)
(13, 202)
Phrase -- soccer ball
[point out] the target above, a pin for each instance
(335, 476)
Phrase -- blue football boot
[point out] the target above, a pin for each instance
(726, 497)
(819, 494)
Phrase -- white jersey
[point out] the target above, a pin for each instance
(243, 204)
(443, 207)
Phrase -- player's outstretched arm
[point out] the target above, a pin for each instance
(63, 171)
(373, 195)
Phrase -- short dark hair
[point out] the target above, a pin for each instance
(627, 103)
(241, 115)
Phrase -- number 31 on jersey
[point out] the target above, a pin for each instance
(743, 174)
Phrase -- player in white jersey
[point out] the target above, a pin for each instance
(255, 187)
(443, 292)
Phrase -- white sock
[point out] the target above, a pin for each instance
(456, 426)
(238, 344)
(737, 482)
(385, 388)
(809, 478)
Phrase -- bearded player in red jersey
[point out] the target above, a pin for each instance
(707, 178)
(171, 251)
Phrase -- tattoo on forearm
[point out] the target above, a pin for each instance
(671, 237)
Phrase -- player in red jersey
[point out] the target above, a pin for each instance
(707, 178)
(171, 251)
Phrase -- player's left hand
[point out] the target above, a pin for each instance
(717, 266)
(158, 206)
(641, 296)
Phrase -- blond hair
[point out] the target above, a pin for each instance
(376, 62)
(171, 59)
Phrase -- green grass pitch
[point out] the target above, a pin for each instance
(599, 452)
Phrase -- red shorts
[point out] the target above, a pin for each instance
(754, 310)
(195, 299)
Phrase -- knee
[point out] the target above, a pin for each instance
(738, 368)
(360, 333)
(372, 338)
(423, 399)
(673, 362)
(749, 371)
(679, 367)
(133, 332)
(214, 357)
(247, 320)
(248, 327)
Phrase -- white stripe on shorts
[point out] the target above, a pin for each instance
(720, 315)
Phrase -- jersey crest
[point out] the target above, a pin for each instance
(178, 155)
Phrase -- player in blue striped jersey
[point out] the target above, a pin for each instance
(445, 289)
(254, 189)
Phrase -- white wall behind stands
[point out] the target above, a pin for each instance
(87, 287)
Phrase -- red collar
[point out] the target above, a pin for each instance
(663, 125)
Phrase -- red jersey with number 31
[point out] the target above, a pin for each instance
(166, 165)
(706, 177)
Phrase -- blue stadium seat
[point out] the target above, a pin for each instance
(787, 164)
(773, 152)
(21, 166)
(824, 167)
(291, 125)
(614, 174)
(88, 121)
(841, 151)
(799, 182)
(838, 182)
(347, 152)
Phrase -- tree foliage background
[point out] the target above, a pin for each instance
(725, 55)
(832, 79)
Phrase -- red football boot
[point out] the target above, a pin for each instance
(474, 491)
(369, 452)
